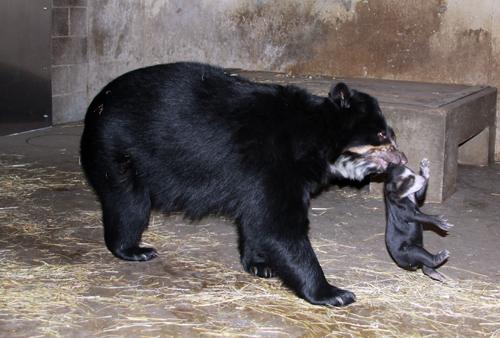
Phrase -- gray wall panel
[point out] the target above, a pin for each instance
(25, 59)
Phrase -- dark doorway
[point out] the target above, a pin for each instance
(25, 58)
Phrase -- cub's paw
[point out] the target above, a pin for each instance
(424, 168)
(136, 254)
(441, 256)
(332, 296)
(261, 270)
(443, 224)
(433, 274)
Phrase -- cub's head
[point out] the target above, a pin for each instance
(402, 182)
(365, 143)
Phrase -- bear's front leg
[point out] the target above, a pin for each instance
(284, 250)
(273, 239)
(296, 264)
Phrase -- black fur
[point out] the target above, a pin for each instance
(404, 191)
(189, 137)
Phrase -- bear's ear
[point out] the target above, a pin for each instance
(341, 95)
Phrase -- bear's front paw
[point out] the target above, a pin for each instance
(136, 254)
(332, 296)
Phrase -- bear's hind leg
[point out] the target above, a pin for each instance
(125, 217)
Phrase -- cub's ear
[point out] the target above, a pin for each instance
(341, 95)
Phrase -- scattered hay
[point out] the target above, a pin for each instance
(57, 279)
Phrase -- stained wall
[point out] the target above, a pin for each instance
(454, 41)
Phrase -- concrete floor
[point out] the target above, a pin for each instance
(347, 227)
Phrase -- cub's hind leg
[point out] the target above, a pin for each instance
(418, 256)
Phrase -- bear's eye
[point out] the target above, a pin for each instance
(382, 136)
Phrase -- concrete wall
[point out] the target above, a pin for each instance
(69, 60)
(454, 41)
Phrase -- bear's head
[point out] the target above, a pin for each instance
(364, 142)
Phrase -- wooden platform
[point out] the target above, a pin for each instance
(445, 123)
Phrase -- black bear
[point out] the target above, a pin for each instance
(190, 137)
(404, 191)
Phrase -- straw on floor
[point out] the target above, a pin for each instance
(57, 279)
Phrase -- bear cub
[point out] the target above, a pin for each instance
(404, 191)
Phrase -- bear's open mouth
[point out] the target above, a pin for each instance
(356, 163)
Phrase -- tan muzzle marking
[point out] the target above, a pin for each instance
(370, 149)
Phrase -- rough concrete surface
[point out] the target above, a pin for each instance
(59, 280)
